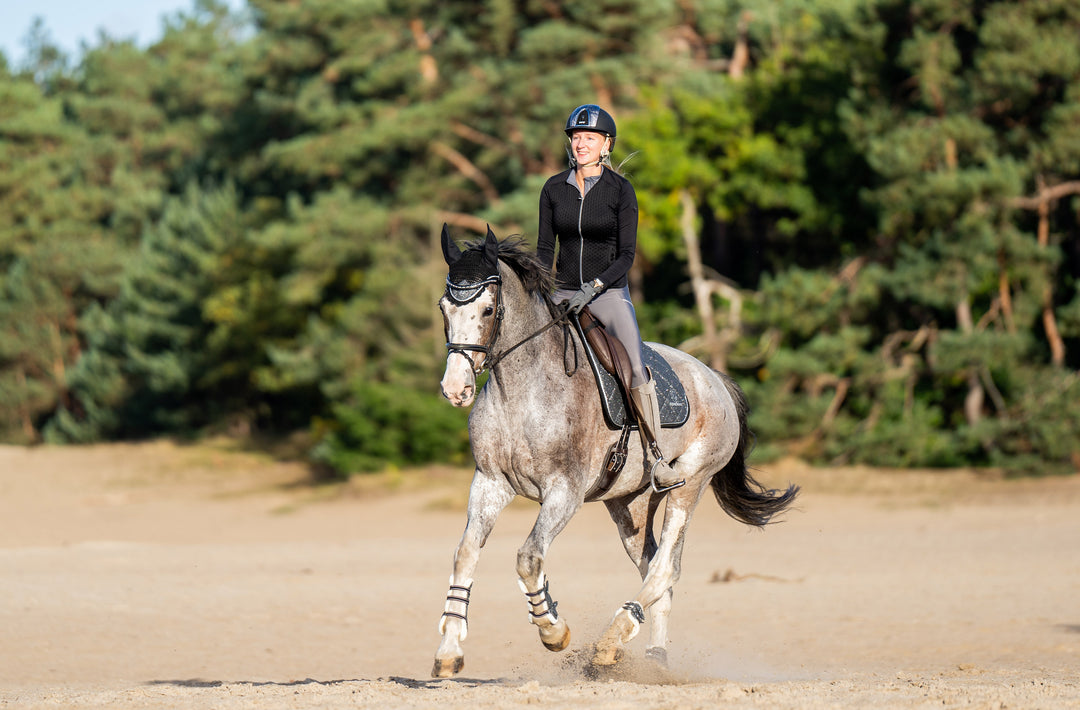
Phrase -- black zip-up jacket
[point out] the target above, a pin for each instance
(597, 235)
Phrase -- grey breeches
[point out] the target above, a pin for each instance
(614, 309)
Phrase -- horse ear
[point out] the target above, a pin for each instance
(450, 250)
(491, 248)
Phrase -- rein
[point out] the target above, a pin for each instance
(561, 318)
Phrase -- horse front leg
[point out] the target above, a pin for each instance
(656, 589)
(556, 510)
(487, 497)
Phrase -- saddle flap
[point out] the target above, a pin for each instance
(608, 350)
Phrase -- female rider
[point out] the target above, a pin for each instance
(591, 212)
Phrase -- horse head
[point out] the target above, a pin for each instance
(472, 312)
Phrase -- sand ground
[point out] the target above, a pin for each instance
(167, 576)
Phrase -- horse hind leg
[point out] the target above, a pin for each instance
(633, 515)
(656, 590)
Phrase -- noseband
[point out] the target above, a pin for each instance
(461, 295)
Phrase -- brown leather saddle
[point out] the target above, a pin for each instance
(611, 366)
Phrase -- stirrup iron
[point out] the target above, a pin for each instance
(658, 459)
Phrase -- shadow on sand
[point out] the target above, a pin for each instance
(407, 682)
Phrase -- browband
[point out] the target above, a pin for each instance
(463, 293)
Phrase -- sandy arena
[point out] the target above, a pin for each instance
(165, 576)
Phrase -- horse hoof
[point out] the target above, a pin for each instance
(607, 655)
(657, 654)
(557, 637)
(445, 668)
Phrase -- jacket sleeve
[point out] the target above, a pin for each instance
(545, 234)
(626, 248)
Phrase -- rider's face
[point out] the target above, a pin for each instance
(587, 146)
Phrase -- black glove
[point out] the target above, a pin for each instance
(579, 300)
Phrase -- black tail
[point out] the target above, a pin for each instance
(742, 497)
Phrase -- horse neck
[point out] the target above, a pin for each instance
(525, 315)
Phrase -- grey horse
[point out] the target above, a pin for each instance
(537, 430)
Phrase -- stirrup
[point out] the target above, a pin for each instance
(658, 457)
(662, 489)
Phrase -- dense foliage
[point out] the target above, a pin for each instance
(867, 210)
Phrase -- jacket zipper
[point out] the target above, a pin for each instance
(581, 242)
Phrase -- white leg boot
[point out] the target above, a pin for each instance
(664, 477)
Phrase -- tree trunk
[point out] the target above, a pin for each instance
(1005, 296)
(1041, 204)
(975, 396)
(702, 289)
(468, 169)
(740, 58)
(1053, 336)
(429, 70)
(29, 431)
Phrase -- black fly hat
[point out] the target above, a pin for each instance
(472, 270)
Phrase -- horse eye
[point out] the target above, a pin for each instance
(488, 311)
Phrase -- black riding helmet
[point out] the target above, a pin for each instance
(590, 117)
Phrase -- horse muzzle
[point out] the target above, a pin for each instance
(461, 399)
(459, 382)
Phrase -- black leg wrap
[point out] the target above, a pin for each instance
(458, 594)
(545, 603)
(637, 612)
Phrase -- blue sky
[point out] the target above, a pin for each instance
(72, 21)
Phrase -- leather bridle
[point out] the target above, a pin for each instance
(459, 295)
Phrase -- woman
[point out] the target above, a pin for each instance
(591, 212)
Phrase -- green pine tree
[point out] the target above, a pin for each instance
(158, 361)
